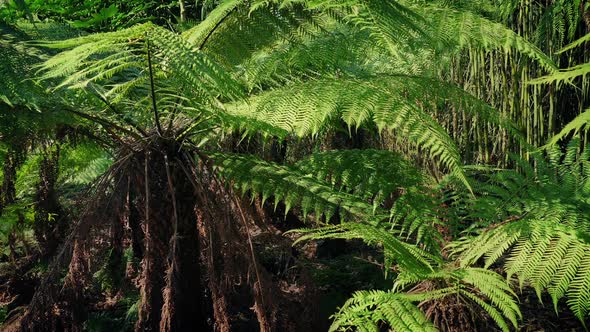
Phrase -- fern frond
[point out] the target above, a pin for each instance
(370, 174)
(485, 288)
(366, 309)
(494, 288)
(287, 184)
(119, 60)
(236, 29)
(309, 108)
(542, 225)
(564, 76)
(408, 257)
(576, 43)
(17, 61)
(82, 164)
(464, 29)
(569, 74)
(379, 175)
(577, 125)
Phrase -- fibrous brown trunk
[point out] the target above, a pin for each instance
(182, 295)
(188, 217)
(157, 232)
(8, 189)
(49, 223)
(170, 283)
(134, 219)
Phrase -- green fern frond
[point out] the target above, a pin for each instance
(339, 181)
(408, 257)
(564, 75)
(365, 310)
(550, 257)
(485, 288)
(546, 246)
(308, 108)
(569, 74)
(379, 176)
(287, 184)
(236, 29)
(499, 293)
(370, 174)
(17, 60)
(82, 164)
(466, 29)
(577, 125)
(120, 60)
(577, 43)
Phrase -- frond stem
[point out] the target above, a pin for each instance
(215, 28)
(153, 89)
(112, 108)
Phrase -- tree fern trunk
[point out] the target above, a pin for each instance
(170, 283)
(182, 294)
(49, 223)
(157, 233)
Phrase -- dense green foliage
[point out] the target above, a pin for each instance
(450, 137)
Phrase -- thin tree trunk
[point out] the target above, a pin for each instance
(182, 11)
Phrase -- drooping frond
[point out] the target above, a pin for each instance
(393, 25)
(389, 182)
(565, 75)
(402, 206)
(17, 59)
(569, 74)
(82, 164)
(370, 174)
(237, 28)
(289, 185)
(493, 287)
(408, 257)
(485, 288)
(389, 23)
(548, 256)
(463, 29)
(343, 51)
(577, 125)
(577, 43)
(543, 226)
(391, 102)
